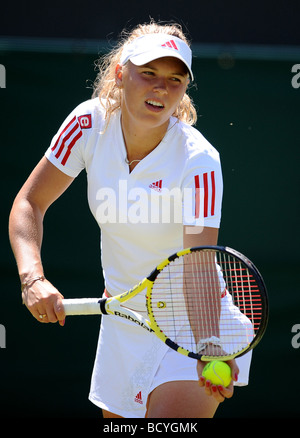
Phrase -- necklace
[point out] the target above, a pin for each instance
(130, 162)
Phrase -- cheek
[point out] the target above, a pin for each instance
(133, 89)
(177, 97)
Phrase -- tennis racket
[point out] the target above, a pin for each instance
(204, 302)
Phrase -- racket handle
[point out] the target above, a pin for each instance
(83, 306)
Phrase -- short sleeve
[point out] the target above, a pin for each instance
(203, 192)
(65, 150)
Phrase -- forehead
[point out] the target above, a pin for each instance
(169, 63)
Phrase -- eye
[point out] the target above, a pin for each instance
(175, 79)
(148, 73)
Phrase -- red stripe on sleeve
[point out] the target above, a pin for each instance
(205, 182)
(67, 154)
(61, 148)
(197, 196)
(62, 132)
(213, 195)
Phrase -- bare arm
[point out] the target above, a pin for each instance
(198, 236)
(45, 184)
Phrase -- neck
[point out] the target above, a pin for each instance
(139, 141)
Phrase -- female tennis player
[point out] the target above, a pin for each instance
(154, 187)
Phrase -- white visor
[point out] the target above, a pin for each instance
(158, 45)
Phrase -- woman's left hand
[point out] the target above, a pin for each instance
(219, 392)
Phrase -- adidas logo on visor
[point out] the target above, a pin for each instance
(171, 44)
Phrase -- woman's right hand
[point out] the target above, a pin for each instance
(45, 184)
(44, 302)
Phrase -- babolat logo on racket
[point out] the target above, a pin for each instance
(136, 321)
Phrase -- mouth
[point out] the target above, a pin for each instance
(154, 105)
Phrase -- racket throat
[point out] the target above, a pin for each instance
(102, 304)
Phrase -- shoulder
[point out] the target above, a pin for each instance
(195, 146)
(69, 146)
(89, 113)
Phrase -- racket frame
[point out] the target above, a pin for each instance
(264, 301)
(115, 305)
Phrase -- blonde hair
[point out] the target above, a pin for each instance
(105, 86)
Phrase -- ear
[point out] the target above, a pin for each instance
(119, 76)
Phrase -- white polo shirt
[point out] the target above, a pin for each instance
(141, 214)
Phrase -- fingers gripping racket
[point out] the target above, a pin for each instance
(204, 302)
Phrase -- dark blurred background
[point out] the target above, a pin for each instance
(248, 109)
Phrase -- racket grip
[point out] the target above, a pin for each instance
(83, 306)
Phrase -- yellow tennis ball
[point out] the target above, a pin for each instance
(218, 372)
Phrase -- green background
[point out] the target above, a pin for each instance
(249, 111)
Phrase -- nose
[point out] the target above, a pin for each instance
(160, 86)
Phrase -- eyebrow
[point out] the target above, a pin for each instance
(148, 65)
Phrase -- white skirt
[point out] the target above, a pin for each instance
(131, 362)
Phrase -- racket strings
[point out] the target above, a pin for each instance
(207, 295)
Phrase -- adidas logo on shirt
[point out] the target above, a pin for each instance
(157, 185)
(138, 398)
